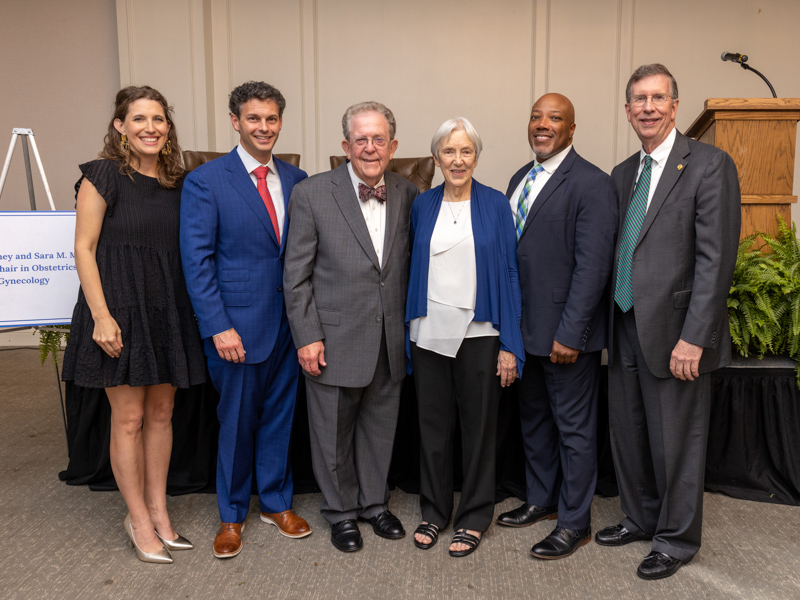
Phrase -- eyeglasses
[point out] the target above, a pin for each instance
(657, 99)
(378, 142)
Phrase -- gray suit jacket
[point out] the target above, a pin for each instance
(684, 259)
(334, 286)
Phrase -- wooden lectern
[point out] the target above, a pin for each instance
(759, 134)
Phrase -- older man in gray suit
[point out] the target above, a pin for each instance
(345, 282)
(679, 208)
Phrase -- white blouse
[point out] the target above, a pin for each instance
(452, 285)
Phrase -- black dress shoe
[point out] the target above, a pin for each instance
(561, 543)
(658, 565)
(618, 535)
(386, 525)
(345, 536)
(527, 514)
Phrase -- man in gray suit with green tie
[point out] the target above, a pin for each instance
(679, 209)
(345, 282)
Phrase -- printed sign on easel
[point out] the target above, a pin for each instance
(38, 280)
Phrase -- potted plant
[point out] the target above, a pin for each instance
(764, 301)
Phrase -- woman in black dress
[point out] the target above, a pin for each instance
(133, 330)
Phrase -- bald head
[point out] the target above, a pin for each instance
(559, 103)
(551, 126)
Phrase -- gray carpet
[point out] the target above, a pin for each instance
(64, 542)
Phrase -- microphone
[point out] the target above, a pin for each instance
(741, 60)
(734, 57)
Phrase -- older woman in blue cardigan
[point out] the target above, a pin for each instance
(464, 341)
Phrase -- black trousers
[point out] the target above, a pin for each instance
(464, 389)
(659, 433)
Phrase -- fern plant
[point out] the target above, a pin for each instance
(50, 342)
(764, 300)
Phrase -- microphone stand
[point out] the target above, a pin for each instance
(747, 67)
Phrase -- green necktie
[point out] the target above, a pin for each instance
(522, 203)
(623, 294)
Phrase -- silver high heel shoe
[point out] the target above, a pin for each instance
(179, 543)
(161, 555)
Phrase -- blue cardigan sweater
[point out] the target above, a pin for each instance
(498, 297)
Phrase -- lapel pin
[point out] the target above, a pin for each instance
(680, 167)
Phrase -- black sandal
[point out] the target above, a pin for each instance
(462, 537)
(427, 529)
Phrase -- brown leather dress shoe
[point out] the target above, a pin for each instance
(288, 523)
(228, 542)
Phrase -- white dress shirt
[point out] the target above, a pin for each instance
(374, 213)
(452, 285)
(659, 158)
(549, 167)
(273, 183)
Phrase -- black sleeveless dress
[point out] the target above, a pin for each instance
(138, 256)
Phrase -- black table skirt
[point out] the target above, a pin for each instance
(753, 449)
(754, 439)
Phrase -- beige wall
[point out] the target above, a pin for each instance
(59, 71)
(61, 63)
(429, 61)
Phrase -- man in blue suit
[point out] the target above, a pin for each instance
(565, 211)
(234, 221)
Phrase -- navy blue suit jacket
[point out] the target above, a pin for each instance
(231, 257)
(565, 253)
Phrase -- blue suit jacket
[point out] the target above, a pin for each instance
(565, 253)
(497, 297)
(231, 257)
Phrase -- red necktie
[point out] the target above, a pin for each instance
(261, 182)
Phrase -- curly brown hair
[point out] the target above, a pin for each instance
(170, 166)
(254, 90)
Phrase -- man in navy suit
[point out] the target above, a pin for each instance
(565, 211)
(234, 221)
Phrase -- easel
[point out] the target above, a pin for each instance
(24, 135)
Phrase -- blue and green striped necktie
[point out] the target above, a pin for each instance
(623, 294)
(522, 203)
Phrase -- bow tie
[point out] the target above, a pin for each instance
(365, 192)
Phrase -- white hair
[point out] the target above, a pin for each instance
(447, 128)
